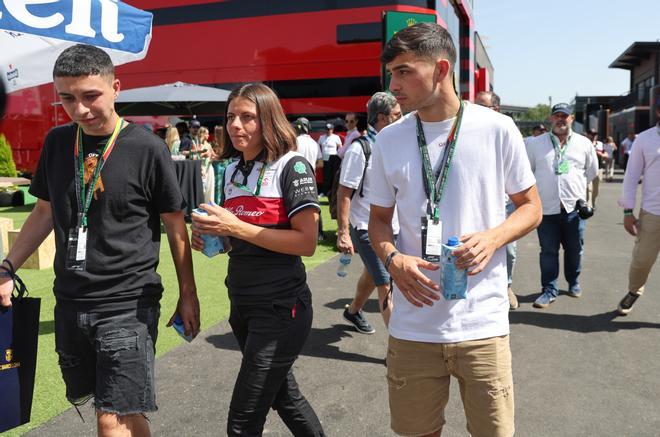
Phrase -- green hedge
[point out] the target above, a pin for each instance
(7, 165)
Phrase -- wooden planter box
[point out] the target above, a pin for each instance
(6, 225)
(43, 257)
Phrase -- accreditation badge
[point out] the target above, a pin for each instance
(562, 167)
(431, 240)
(76, 252)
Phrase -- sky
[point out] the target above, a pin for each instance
(561, 48)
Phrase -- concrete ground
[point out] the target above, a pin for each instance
(579, 370)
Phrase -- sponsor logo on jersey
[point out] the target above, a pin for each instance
(299, 168)
(240, 211)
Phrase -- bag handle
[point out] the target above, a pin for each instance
(7, 270)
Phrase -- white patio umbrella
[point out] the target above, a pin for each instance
(172, 99)
(33, 35)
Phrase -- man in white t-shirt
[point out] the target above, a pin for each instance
(307, 147)
(330, 143)
(432, 338)
(563, 163)
(353, 213)
(352, 132)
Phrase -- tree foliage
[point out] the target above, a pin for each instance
(539, 112)
(7, 165)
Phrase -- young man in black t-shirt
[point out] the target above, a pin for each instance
(103, 186)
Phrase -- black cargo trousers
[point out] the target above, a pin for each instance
(271, 335)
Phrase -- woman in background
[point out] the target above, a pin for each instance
(172, 140)
(203, 150)
(609, 147)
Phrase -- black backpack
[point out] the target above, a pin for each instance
(332, 196)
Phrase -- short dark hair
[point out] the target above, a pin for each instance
(276, 132)
(361, 124)
(428, 40)
(83, 60)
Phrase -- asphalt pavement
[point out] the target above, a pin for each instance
(579, 370)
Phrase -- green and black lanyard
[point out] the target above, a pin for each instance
(250, 164)
(83, 196)
(434, 184)
(77, 242)
(560, 153)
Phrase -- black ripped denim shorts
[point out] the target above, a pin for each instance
(109, 356)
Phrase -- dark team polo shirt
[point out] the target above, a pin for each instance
(255, 274)
(137, 183)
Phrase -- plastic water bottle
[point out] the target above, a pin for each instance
(344, 262)
(454, 281)
(213, 245)
(178, 327)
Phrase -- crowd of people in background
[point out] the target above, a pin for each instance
(463, 168)
(565, 171)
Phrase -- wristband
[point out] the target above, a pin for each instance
(627, 212)
(12, 270)
(388, 260)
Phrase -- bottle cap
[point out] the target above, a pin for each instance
(452, 241)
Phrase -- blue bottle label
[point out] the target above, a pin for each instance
(178, 327)
(454, 281)
(213, 245)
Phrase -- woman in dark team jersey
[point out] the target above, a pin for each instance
(270, 212)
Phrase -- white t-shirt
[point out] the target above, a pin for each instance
(329, 145)
(489, 162)
(352, 168)
(308, 148)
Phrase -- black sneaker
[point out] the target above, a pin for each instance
(358, 321)
(626, 304)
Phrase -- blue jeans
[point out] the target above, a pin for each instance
(566, 229)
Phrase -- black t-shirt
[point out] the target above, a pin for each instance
(137, 183)
(186, 143)
(258, 275)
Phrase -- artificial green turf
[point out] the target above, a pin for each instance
(49, 399)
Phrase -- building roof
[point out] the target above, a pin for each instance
(635, 54)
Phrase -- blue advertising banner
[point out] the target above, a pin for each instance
(104, 23)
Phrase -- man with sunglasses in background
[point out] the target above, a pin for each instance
(352, 133)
